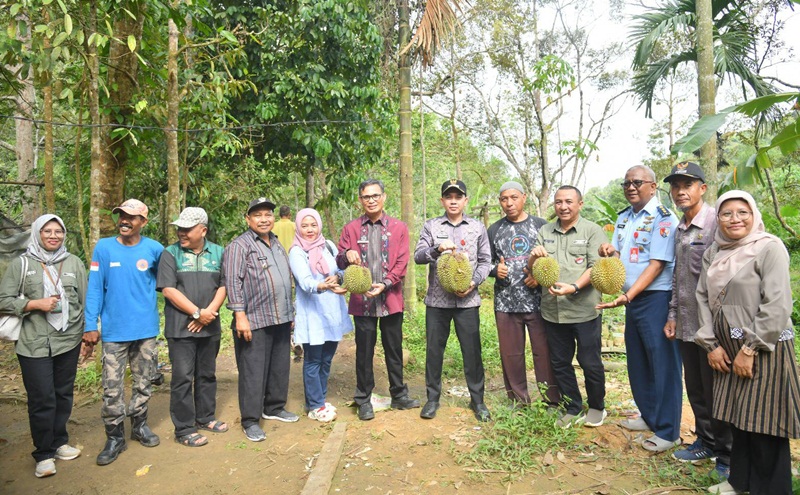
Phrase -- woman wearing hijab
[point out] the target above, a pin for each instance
(50, 340)
(745, 303)
(321, 317)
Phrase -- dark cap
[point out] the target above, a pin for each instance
(454, 184)
(260, 202)
(686, 169)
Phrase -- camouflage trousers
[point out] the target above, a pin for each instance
(141, 354)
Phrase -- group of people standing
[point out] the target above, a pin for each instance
(709, 291)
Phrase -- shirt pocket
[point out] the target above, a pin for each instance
(696, 250)
(578, 253)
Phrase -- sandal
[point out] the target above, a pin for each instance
(656, 444)
(214, 426)
(192, 440)
(637, 424)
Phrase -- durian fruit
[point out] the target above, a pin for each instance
(545, 271)
(608, 275)
(357, 279)
(454, 272)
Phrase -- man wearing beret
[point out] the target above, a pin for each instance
(259, 284)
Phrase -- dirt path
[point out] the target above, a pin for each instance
(396, 453)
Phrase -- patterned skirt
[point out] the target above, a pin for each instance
(768, 403)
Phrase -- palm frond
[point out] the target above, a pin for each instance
(437, 22)
(645, 81)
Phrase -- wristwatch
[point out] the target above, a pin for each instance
(577, 289)
(748, 351)
(196, 314)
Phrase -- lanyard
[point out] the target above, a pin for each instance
(47, 272)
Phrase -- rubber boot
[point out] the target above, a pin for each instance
(115, 444)
(141, 432)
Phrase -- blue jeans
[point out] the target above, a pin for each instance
(316, 369)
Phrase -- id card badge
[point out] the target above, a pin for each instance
(634, 255)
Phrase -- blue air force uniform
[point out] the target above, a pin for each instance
(654, 364)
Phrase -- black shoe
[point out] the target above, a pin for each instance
(141, 432)
(115, 445)
(481, 412)
(429, 411)
(365, 412)
(404, 402)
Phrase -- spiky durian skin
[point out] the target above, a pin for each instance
(454, 272)
(546, 271)
(357, 279)
(608, 275)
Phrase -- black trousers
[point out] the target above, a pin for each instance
(760, 464)
(49, 382)
(392, 340)
(263, 371)
(699, 379)
(193, 389)
(562, 339)
(437, 329)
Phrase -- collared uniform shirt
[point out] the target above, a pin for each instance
(514, 241)
(470, 237)
(640, 237)
(691, 241)
(576, 250)
(196, 276)
(258, 280)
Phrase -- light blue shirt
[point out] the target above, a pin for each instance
(122, 290)
(644, 236)
(320, 316)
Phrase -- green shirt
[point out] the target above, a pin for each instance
(576, 250)
(37, 337)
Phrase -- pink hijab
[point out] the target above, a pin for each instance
(315, 248)
(735, 254)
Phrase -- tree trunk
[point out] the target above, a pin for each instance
(171, 132)
(79, 182)
(25, 100)
(47, 94)
(453, 110)
(123, 86)
(310, 200)
(706, 85)
(96, 196)
(406, 168)
(422, 163)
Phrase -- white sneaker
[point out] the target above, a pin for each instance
(67, 452)
(45, 468)
(595, 418)
(322, 414)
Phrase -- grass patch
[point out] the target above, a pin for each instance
(516, 439)
(453, 367)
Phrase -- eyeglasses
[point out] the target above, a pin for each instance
(371, 197)
(635, 183)
(727, 216)
(52, 233)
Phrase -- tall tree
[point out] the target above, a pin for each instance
(706, 87)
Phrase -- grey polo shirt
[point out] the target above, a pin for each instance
(576, 250)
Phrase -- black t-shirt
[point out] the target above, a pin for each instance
(514, 242)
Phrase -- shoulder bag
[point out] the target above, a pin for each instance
(10, 325)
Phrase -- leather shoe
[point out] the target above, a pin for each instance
(481, 412)
(404, 402)
(429, 410)
(365, 412)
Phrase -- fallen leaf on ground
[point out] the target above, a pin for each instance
(143, 470)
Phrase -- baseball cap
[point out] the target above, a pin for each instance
(454, 184)
(260, 202)
(190, 217)
(132, 207)
(686, 169)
